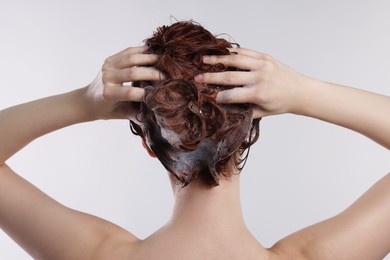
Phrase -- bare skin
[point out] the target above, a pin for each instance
(199, 228)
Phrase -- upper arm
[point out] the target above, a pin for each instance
(45, 228)
(360, 232)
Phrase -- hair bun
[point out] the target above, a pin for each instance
(185, 114)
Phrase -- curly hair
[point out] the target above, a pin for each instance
(188, 131)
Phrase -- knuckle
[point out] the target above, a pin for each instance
(226, 59)
(106, 66)
(107, 63)
(234, 58)
(268, 64)
(131, 93)
(106, 77)
(228, 78)
(213, 59)
(131, 73)
(206, 77)
(130, 49)
(259, 55)
(227, 97)
(131, 59)
(256, 98)
(267, 57)
(259, 77)
(107, 93)
(260, 97)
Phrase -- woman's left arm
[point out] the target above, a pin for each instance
(23, 123)
(43, 227)
(101, 99)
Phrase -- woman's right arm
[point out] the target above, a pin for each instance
(362, 111)
(362, 231)
(274, 88)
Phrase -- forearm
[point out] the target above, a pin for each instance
(362, 111)
(21, 124)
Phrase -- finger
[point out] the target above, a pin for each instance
(117, 93)
(138, 59)
(125, 54)
(132, 50)
(132, 74)
(138, 49)
(129, 60)
(236, 95)
(248, 52)
(237, 61)
(229, 78)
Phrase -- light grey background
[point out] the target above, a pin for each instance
(300, 172)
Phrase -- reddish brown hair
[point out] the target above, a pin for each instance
(188, 131)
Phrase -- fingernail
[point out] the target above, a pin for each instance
(206, 58)
(198, 77)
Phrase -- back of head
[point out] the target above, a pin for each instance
(187, 130)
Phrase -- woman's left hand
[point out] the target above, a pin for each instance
(108, 92)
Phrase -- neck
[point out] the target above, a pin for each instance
(211, 218)
(215, 211)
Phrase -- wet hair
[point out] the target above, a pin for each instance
(187, 130)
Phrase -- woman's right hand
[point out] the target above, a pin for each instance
(271, 86)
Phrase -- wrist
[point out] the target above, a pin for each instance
(82, 105)
(307, 95)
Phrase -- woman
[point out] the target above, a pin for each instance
(207, 222)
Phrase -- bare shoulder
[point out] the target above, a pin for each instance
(114, 241)
(359, 232)
(45, 228)
(117, 246)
